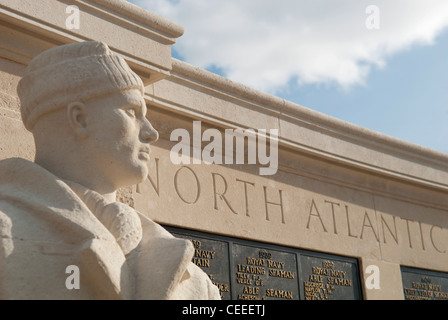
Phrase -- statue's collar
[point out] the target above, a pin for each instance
(121, 220)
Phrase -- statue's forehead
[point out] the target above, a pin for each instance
(134, 98)
(126, 97)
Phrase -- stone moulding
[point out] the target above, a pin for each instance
(300, 128)
(147, 18)
(144, 40)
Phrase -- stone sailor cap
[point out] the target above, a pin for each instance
(72, 72)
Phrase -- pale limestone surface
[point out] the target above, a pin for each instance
(85, 109)
(340, 188)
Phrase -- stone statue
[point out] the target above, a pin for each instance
(85, 108)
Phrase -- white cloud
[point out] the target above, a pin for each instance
(266, 43)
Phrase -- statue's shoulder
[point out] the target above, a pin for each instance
(11, 169)
(12, 172)
(22, 181)
(15, 162)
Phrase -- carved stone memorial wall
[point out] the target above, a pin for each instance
(247, 270)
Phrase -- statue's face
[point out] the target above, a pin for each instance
(119, 135)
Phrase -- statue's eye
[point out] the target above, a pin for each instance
(131, 112)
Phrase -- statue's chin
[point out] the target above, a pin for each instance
(136, 176)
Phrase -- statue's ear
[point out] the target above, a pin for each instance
(77, 118)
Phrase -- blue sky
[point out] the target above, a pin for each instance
(319, 54)
(408, 99)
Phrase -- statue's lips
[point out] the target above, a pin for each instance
(144, 154)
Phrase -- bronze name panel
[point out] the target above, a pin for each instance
(327, 277)
(419, 284)
(248, 270)
(262, 274)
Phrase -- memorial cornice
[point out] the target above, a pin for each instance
(226, 103)
(143, 38)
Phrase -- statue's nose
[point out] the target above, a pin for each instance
(148, 133)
